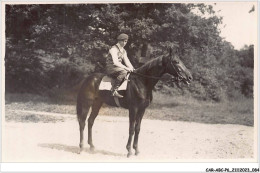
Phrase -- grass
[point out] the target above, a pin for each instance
(163, 107)
(189, 109)
(30, 117)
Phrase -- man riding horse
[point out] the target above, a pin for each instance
(114, 66)
(138, 93)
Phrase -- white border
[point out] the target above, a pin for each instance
(122, 167)
(126, 167)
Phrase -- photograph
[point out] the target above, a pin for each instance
(130, 82)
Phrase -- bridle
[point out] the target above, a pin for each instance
(177, 71)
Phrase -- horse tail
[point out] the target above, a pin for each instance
(79, 107)
(86, 95)
(80, 101)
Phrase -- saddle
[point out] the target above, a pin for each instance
(107, 82)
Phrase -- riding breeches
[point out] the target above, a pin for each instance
(116, 72)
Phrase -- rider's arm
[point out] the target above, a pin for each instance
(127, 62)
(113, 51)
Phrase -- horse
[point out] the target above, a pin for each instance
(137, 96)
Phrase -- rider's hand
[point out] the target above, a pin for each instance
(129, 69)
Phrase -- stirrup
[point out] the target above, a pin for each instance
(116, 94)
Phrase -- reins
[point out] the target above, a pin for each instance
(154, 77)
(174, 79)
(146, 76)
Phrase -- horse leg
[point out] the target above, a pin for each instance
(95, 109)
(82, 112)
(139, 117)
(132, 113)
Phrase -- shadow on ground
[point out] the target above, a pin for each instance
(75, 150)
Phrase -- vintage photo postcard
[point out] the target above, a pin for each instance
(130, 82)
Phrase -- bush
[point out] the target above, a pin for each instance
(24, 72)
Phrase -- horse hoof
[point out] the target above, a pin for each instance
(92, 148)
(137, 153)
(80, 150)
(129, 154)
(81, 145)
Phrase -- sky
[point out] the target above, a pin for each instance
(239, 26)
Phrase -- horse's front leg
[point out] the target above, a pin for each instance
(132, 114)
(137, 129)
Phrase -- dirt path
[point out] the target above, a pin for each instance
(160, 141)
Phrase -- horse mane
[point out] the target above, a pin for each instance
(150, 64)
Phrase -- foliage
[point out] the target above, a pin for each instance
(55, 45)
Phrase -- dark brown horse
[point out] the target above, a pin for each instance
(137, 96)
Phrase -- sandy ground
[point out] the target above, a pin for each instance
(159, 141)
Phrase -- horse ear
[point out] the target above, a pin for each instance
(163, 61)
(177, 51)
(160, 62)
(170, 51)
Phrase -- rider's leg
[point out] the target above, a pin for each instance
(120, 77)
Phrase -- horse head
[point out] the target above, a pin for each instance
(176, 68)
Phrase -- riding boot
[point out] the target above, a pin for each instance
(115, 89)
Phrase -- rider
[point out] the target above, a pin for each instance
(114, 66)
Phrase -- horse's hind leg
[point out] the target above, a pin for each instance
(82, 112)
(139, 117)
(95, 109)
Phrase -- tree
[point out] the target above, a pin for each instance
(60, 44)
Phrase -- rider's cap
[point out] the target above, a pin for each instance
(122, 37)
